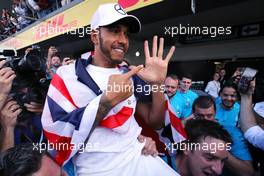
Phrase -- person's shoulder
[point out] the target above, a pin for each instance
(210, 83)
(192, 93)
(176, 95)
(237, 106)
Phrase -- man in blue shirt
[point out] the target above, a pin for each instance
(183, 99)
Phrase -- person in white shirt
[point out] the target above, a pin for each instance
(213, 87)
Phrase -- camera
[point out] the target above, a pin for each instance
(30, 84)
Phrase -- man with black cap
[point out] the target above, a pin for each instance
(93, 101)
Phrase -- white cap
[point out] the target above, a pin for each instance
(107, 14)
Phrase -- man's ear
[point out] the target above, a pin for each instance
(95, 37)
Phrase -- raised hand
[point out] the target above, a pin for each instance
(7, 75)
(155, 66)
(34, 107)
(67, 61)
(123, 84)
(9, 114)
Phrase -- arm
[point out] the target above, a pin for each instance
(239, 167)
(154, 73)
(52, 50)
(208, 87)
(252, 132)
(153, 112)
(247, 117)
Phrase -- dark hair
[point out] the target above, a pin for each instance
(57, 55)
(23, 160)
(173, 76)
(186, 75)
(230, 83)
(197, 129)
(204, 102)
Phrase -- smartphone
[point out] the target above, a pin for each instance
(248, 74)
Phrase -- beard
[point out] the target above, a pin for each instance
(106, 52)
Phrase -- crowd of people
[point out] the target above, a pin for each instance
(25, 12)
(120, 131)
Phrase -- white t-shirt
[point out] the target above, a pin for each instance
(115, 152)
(213, 88)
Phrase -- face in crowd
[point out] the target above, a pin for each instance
(28, 160)
(222, 72)
(55, 61)
(171, 86)
(229, 97)
(185, 84)
(205, 162)
(205, 113)
(112, 41)
(216, 76)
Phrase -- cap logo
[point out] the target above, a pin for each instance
(119, 9)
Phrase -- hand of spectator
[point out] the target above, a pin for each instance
(67, 61)
(7, 75)
(52, 51)
(184, 121)
(155, 66)
(251, 88)
(28, 50)
(150, 146)
(9, 114)
(124, 83)
(34, 107)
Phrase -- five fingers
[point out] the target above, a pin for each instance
(158, 52)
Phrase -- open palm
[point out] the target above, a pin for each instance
(155, 66)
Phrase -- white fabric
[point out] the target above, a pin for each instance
(255, 135)
(109, 13)
(213, 88)
(116, 152)
(259, 108)
(34, 5)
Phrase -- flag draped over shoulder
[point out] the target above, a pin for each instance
(67, 124)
